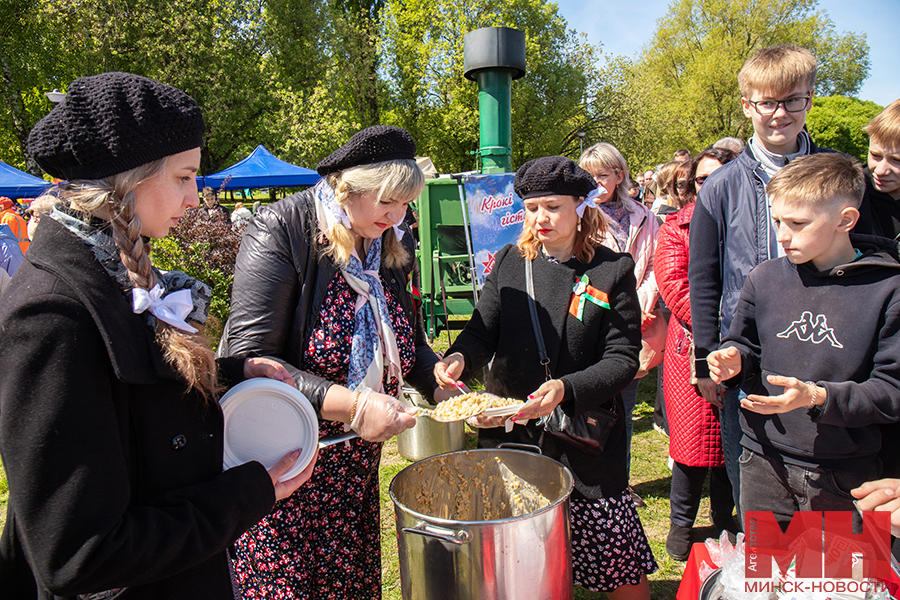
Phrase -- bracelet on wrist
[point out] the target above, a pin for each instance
(353, 406)
(815, 396)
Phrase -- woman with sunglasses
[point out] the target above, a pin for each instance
(695, 443)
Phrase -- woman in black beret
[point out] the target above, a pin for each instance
(110, 432)
(589, 322)
(323, 281)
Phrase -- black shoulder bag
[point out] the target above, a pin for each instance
(588, 432)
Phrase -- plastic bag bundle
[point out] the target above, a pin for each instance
(730, 558)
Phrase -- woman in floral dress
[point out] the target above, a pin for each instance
(323, 281)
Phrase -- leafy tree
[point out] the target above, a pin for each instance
(843, 63)
(254, 66)
(32, 61)
(563, 93)
(636, 122)
(308, 127)
(690, 67)
(322, 71)
(295, 41)
(354, 46)
(837, 122)
(426, 91)
(210, 49)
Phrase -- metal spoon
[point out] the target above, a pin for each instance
(337, 439)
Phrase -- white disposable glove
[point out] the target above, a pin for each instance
(380, 417)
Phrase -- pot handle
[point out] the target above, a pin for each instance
(447, 535)
(526, 447)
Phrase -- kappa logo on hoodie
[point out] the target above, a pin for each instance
(812, 330)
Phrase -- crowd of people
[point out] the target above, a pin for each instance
(751, 252)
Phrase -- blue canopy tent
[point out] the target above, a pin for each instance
(18, 184)
(260, 170)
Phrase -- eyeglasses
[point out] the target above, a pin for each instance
(701, 179)
(792, 105)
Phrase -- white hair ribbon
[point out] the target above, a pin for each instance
(173, 308)
(397, 230)
(579, 210)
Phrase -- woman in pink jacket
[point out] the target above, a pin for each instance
(631, 228)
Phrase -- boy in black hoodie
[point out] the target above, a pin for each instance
(816, 341)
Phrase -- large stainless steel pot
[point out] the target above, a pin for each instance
(443, 556)
(712, 588)
(428, 437)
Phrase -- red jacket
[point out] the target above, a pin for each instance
(694, 434)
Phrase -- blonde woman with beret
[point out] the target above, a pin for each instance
(324, 281)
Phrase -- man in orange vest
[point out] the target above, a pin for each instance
(9, 216)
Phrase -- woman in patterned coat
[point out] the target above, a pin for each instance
(695, 442)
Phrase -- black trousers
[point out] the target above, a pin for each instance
(687, 489)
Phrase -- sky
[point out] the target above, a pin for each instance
(625, 27)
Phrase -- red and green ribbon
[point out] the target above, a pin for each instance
(414, 292)
(583, 292)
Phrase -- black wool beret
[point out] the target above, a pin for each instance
(114, 122)
(378, 143)
(552, 175)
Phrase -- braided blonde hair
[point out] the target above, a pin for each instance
(112, 199)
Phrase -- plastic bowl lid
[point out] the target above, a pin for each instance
(264, 420)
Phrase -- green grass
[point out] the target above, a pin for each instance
(391, 464)
(650, 478)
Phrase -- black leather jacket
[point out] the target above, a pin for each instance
(280, 280)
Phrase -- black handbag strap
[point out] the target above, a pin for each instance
(532, 308)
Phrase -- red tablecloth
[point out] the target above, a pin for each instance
(699, 560)
(690, 580)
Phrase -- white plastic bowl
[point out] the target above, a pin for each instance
(266, 419)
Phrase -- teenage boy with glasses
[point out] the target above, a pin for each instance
(731, 229)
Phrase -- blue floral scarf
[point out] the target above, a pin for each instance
(374, 346)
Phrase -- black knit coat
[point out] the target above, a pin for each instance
(115, 474)
(594, 358)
